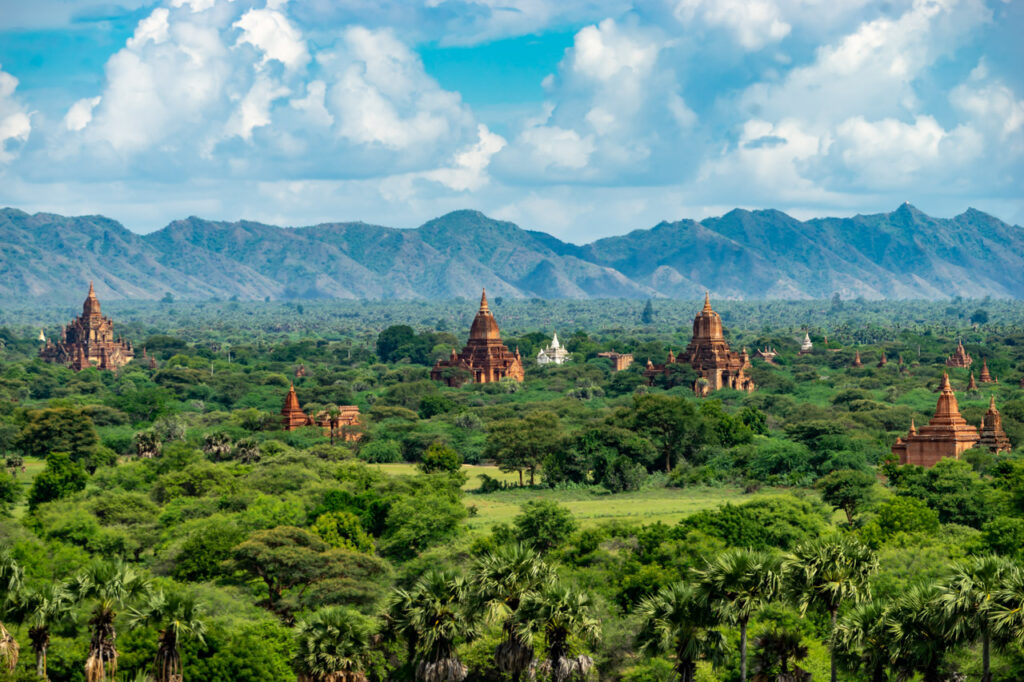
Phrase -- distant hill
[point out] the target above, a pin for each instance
(743, 254)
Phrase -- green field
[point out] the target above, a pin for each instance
(589, 507)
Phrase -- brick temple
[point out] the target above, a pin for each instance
(484, 359)
(960, 357)
(947, 434)
(343, 425)
(88, 341)
(709, 354)
(992, 435)
(622, 361)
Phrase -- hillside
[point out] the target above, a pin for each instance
(743, 254)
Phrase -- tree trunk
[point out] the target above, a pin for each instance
(668, 462)
(986, 673)
(41, 662)
(531, 476)
(832, 645)
(520, 478)
(743, 650)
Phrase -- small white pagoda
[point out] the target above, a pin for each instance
(553, 354)
(806, 347)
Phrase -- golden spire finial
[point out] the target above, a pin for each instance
(483, 301)
(944, 386)
(707, 301)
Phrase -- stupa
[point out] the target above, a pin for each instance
(985, 377)
(806, 347)
(709, 354)
(882, 362)
(960, 357)
(856, 360)
(88, 341)
(341, 421)
(484, 359)
(971, 385)
(947, 434)
(992, 435)
(554, 354)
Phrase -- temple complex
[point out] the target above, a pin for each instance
(960, 357)
(553, 354)
(620, 361)
(806, 347)
(709, 354)
(992, 435)
(88, 341)
(344, 424)
(484, 359)
(947, 434)
(856, 361)
(985, 377)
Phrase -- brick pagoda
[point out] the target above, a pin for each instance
(88, 341)
(992, 435)
(709, 354)
(344, 424)
(484, 359)
(621, 361)
(960, 357)
(947, 434)
(986, 377)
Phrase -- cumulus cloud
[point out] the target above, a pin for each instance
(15, 125)
(80, 113)
(754, 23)
(269, 31)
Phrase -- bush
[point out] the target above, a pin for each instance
(380, 452)
(544, 524)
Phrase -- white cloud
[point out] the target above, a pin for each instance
(754, 23)
(990, 102)
(270, 32)
(80, 113)
(196, 5)
(254, 110)
(313, 104)
(469, 170)
(152, 28)
(15, 125)
(551, 146)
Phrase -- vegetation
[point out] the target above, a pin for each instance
(585, 524)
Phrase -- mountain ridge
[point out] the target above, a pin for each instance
(742, 254)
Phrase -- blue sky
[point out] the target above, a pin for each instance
(583, 118)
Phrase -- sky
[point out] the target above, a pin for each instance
(581, 118)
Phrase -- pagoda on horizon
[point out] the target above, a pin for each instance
(484, 359)
(947, 434)
(960, 357)
(88, 341)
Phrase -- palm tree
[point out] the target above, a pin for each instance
(10, 582)
(1008, 613)
(774, 651)
(502, 580)
(217, 445)
(247, 451)
(679, 620)
(825, 572)
(110, 585)
(920, 633)
(333, 645)
(176, 616)
(436, 619)
(42, 609)
(968, 599)
(862, 632)
(147, 444)
(741, 581)
(560, 613)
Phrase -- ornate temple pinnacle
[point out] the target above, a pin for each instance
(483, 301)
(707, 301)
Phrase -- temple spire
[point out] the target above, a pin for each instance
(707, 302)
(483, 301)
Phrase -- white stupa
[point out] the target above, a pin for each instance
(553, 354)
(806, 347)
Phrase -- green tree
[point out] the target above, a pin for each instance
(440, 458)
(59, 430)
(647, 315)
(524, 444)
(177, 617)
(979, 316)
(561, 614)
(920, 635)
(342, 529)
(10, 492)
(501, 580)
(847, 489)
(774, 651)
(740, 582)
(147, 444)
(283, 557)
(333, 645)
(108, 585)
(61, 477)
(437, 617)
(678, 620)
(670, 423)
(862, 634)
(825, 572)
(543, 524)
(41, 609)
(968, 598)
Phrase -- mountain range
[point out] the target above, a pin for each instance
(742, 254)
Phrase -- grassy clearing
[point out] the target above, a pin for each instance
(668, 505)
(473, 473)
